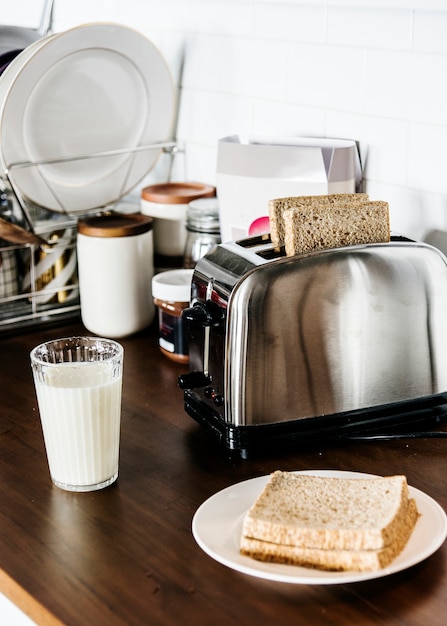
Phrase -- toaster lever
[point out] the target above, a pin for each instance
(206, 313)
(193, 380)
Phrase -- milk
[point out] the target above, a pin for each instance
(80, 408)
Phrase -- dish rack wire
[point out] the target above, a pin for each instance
(39, 283)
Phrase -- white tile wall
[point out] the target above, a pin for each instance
(371, 70)
(281, 21)
(370, 27)
(325, 76)
(429, 31)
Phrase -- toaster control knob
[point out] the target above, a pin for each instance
(193, 380)
(218, 399)
(206, 313)
(213, 395)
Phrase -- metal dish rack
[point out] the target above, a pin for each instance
(39, 283)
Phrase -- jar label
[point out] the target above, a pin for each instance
(171, 333)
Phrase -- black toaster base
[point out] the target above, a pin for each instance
(405, 419)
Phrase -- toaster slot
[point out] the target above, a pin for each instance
(253, 242)
(272, 253)
(265, 250)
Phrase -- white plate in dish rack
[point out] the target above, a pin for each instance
(14, 66)
(91, 89)
(217, 527)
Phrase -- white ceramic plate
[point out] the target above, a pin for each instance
(91, 89)
(217, 527)
(15, 65)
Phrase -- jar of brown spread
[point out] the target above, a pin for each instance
(171, 291)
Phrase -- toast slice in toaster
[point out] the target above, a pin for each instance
(279, 206)
(329, 523)
(319, 227)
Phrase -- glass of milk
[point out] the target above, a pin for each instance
(78, 384)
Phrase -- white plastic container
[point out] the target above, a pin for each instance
(116, 266)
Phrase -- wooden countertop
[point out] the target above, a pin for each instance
(126, 555)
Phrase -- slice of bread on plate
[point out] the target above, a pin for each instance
(329, 523)
(333, 560)
(279, 206)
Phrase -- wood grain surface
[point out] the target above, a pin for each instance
(126, 555)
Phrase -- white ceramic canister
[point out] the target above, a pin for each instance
(168, 204)
(116, 266)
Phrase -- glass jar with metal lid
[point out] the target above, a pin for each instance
(202, 228)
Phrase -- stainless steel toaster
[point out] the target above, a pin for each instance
(341, 341)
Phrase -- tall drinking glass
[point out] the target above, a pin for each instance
(78, 383)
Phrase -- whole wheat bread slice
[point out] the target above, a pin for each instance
(329, 513)
(334, 560)
(319, 227)
(279, 206)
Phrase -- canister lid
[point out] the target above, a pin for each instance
(115, 225)
(177, 193)
(173, 285)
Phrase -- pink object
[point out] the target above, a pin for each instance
(259, 227)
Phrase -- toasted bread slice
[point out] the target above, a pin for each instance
(328, 513)
(279, 206)
(319, 227)
(333, 560)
